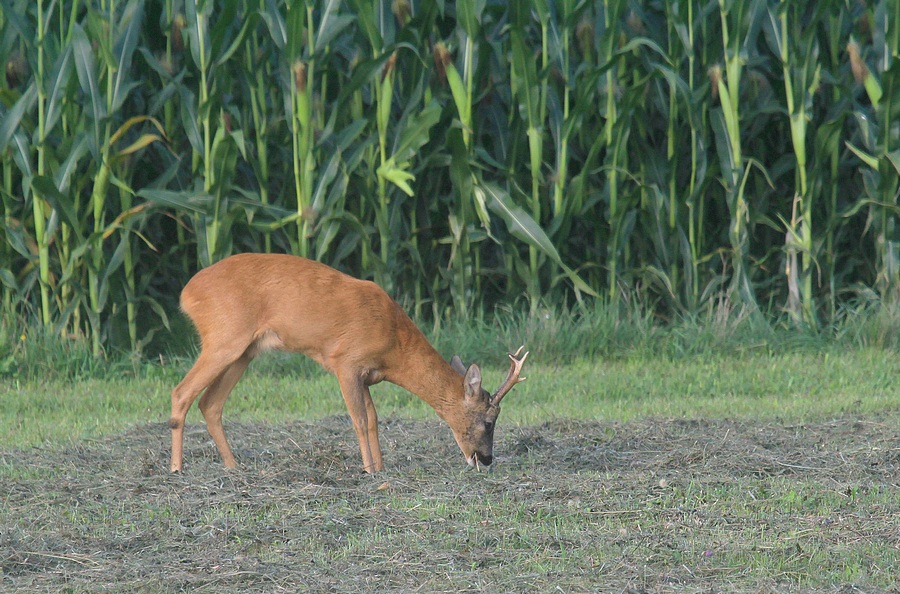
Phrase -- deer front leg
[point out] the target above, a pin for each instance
(365, 420)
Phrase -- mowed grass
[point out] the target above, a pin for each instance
(764, 385)
(644, 506)
(752, 471)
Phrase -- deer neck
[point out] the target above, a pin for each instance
(420, 369)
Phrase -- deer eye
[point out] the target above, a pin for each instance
(488, 426)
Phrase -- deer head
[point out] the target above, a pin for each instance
(474, 430)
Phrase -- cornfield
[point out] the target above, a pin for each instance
(462, 155)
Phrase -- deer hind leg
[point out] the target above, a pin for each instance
(372, 431)
(206, 370)
(213, 401)
(365, 420)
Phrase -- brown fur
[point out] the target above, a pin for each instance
(250, 303)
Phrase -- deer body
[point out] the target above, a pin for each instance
(250, 303)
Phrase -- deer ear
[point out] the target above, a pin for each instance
(472, 382)
(457, 364)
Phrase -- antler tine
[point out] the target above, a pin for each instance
(512, 378)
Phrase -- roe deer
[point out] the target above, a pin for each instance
(249, 303)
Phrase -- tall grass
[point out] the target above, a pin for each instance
(464, 155)
(594, 334)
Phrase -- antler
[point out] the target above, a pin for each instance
(512, 378)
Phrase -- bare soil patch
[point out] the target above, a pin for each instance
(649, 506)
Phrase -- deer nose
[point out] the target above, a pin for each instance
(486, 460)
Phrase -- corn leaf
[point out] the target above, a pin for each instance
(190, 201)
(415, 132)
(87, 77)
(468, 15)
(61, 203)
(12, 118)
(331, 24)
(365, 14)
(58, 95)
(525, 228)
(397, 176)
(133, 16)
(460, 98)
(865, 157)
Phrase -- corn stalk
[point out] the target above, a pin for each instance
(880, 152)
(300, 19)
(39, 204)
(726, 121)
(798, 52)
(530, 91)
(461, 150)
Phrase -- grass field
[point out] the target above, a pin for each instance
(746, 472)
(798, 385)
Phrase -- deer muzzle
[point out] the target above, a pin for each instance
(480, 462)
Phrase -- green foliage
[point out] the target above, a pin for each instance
(681, 155)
